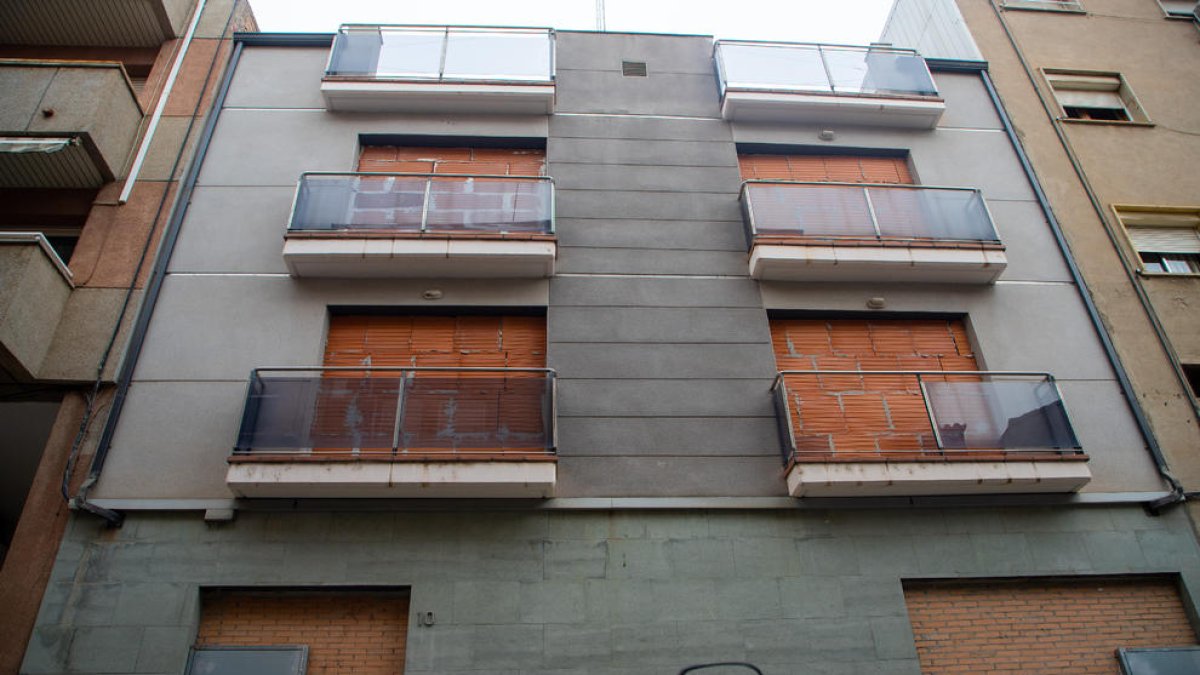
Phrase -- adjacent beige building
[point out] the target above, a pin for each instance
(1103, 95)
(101, 107)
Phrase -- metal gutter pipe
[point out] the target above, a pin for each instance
(154, 288)
(1177, 493)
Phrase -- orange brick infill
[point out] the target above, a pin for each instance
(363, 633)
(1042, 626)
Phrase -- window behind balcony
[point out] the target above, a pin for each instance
(847, 415)
(446, 409)
(826, 168)
(476, 195)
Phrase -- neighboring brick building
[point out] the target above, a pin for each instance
(102, 105)
(482, 339)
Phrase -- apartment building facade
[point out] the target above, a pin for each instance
(102, 103)
(522, 351)
(1112, 132)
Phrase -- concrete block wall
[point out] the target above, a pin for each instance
(585, 593)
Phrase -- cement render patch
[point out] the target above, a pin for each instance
(585, 592)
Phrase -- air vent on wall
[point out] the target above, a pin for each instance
(633, 68)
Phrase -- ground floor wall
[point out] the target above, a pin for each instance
(584, 592)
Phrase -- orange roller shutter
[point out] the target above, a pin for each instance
(826, 168)
(452, 161)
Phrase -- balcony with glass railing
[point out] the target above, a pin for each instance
(396, 432)
(876, 85)
(869, 232)
(441, 69)
(421, 225)
(848, 433)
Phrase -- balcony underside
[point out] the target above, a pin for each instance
(356, 95)
(863, 110)
(107, 23)
(350, 257)
(923, 478)
(459, 478)
(876, 262)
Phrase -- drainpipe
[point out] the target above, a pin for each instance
(1177, 494)
(153, 289)
(168, 87)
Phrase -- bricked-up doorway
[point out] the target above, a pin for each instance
(1042, 626)
(347, 632)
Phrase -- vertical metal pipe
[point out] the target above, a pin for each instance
(405, 377)
(871, 211)
(937, 436)
(425, 205)
(825, 66)
(442, 60)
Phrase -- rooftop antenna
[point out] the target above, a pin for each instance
(600, 15)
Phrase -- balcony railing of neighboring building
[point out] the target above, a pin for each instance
(822, 69)
(443, 54)
(909, 415)
(418, 203)
(871, 212)
(398, 414)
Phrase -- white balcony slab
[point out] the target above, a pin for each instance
(910, 479)
(367, 479)
(352, 257)
(367, 95)
(768, 106)
(800, 262)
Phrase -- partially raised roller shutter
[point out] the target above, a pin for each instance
(452, 161)
(443, 410)
(826, 168)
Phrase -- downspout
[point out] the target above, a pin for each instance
(153, 290)
(1177, 493)
(168, 87)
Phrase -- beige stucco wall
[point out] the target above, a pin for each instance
(1153, 164)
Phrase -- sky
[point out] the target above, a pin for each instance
(830, 21)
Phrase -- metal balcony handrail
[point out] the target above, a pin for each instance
(809, 45)
(784, 181)
(442, 27)
(360, 369)
(990, 373)
(430, 179)
(752, 225)
(422, 174)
